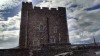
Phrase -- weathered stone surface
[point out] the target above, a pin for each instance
(42, 26)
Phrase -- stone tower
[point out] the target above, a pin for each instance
(42, 26)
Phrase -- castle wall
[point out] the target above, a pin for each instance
(42, 26)
(23, 25)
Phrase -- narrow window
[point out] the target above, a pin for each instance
(59, 37)
(41, 28)
(55, 29)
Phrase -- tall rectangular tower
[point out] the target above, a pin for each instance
(42, 26)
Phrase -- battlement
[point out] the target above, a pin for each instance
(28, 6)
(44, 8)
(26, 2)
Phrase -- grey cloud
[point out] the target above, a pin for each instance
(9, 38)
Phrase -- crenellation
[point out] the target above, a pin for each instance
(26, 2)
(61, 9)
(45, 8)
(27, 5)
(36, 8)
(53, 9)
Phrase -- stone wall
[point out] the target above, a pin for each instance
(42, 26)
(14, 52)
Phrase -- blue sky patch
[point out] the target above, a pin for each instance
(93, 7)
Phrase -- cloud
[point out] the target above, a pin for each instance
(8, 4)
(83, 24)
(53, 3)
(9, 32)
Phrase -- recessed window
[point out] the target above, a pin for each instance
(52, 39)
(59, 37)
(55, 29)
(36, 42)
(41, 28)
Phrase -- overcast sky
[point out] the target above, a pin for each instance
(83, 18)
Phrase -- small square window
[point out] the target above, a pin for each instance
(36, 42)
(52, 39)
(40, 28)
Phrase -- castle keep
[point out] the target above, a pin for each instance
(42, 26)
(43, 32)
